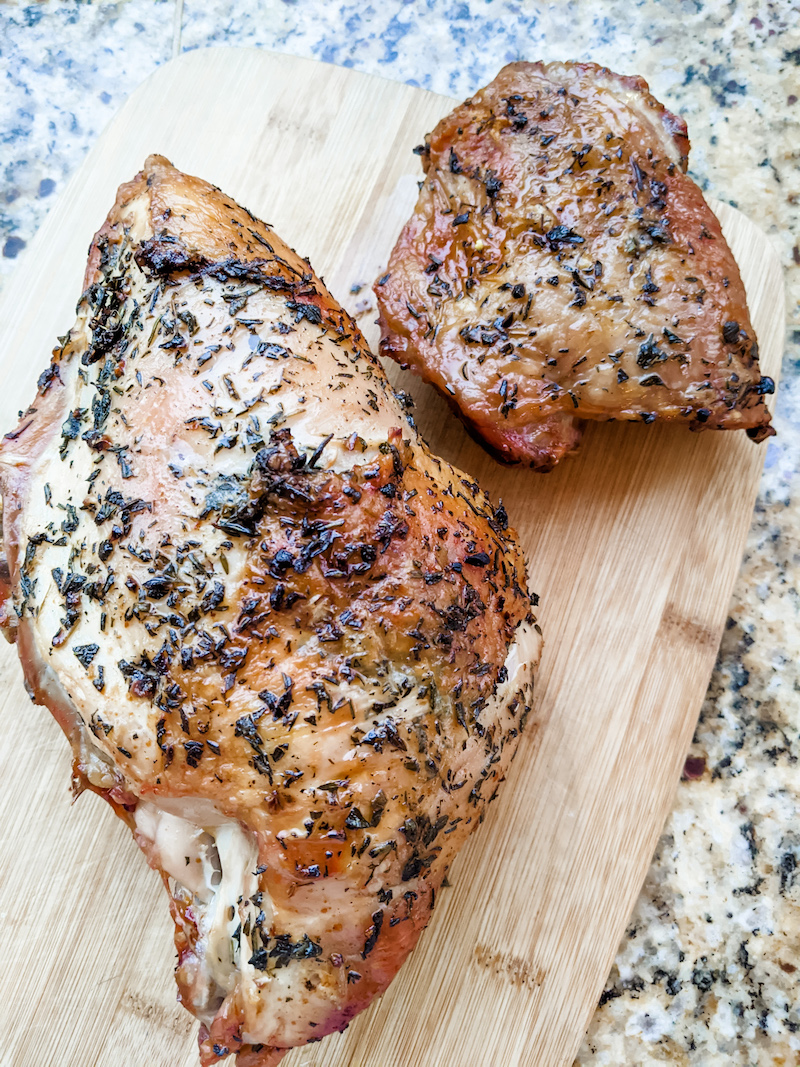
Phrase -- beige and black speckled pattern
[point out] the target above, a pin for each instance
(708, 971)
(723, 889)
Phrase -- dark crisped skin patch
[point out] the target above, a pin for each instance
(557, 252)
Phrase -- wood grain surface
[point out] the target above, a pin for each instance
(633, 546)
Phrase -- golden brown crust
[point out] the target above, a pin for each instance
(560, 265)
(303, 654)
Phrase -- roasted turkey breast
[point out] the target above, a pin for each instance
(292, 648)
(560, 265)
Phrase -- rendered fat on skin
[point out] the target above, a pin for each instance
(560, 265)
(292, 648)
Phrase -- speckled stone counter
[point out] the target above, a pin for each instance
(709, 969)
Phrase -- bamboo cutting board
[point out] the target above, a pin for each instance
(633, 546)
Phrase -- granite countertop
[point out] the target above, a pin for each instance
(708, 971)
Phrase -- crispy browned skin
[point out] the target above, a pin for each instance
(289, 645)
(561, 266)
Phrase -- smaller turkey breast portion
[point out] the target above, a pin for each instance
(560, 265)
(290, 646)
